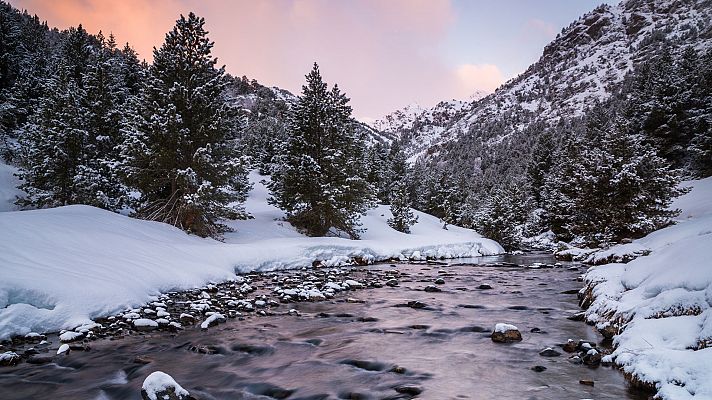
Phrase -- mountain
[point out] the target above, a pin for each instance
(418, 127)
(587, 62)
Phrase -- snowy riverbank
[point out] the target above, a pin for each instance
(63, 266)
(659, 306)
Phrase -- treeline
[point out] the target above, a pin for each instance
(88, 123)
(592, 180)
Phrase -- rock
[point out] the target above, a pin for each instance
(392, 283)
(549, 352)
(142, 360)
(570, 346)
(484, 286)
(432, 289)
(586, 382)
(506, 333)
(213, 320)
(145, 324)
(416, 304)
(187, 319)
(592, 358)
(9, 359)
(397, 369)
(575, 360)
(580, 316)
(39, 359)
(409, 389)
(440, 281)
(538, 368)
(70, 336)
(160, 385)
(63, 349)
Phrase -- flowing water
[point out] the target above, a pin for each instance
(360, 350)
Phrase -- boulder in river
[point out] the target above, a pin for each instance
(160, 385)
(506, 333)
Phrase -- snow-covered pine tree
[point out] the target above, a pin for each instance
(399, 195)
(608, 164)
(320, 177)
(179, 151)
(503, 214)
(105, 96)
(55, 146)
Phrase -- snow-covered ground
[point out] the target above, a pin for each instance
(60, 267)
(661, 304)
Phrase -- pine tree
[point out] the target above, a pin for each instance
(503, 214)
(399, 196)
(55, 147)
(320, 177)
(179, 151)
(608, 164)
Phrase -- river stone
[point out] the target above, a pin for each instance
(9, 359)
(409, 389)
(160, 385)
(549, 352)
(484, 286)
(392, 283)
(432, 289)
(440, 281)
(538, 368)
(505, 333)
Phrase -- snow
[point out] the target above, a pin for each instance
(664, 302)
(159, 382)
(503, 328)
(63, 349)
(8, 187)
(63, 266)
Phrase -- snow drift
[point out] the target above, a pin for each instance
(63, 266)
(660, 305)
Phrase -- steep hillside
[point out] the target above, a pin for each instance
(587, 62)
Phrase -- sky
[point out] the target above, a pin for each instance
(384, 54)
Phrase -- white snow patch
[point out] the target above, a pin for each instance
(666, 299)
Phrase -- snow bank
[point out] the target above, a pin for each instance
(63, 266)
(660, 305)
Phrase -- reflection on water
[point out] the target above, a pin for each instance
(350, 350)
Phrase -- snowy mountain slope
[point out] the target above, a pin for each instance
(420, 127)
(585, 63)
(63, 266)
(659, 306)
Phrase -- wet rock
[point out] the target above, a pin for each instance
(397, 369)
(39, 359)
(368, 319)
(392, 283)
(580, 316)
(506, 333)
(575, 360)
(440, 281)
(9, 359)
(484, 286)
(143, 360)
(592, 358)
(365, 365)
(416, 304)
(570, 346)
(586, 382)
(549, 352)
(409, 389)
(538, 368)
(432, 289)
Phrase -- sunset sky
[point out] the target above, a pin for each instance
(383, 53)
